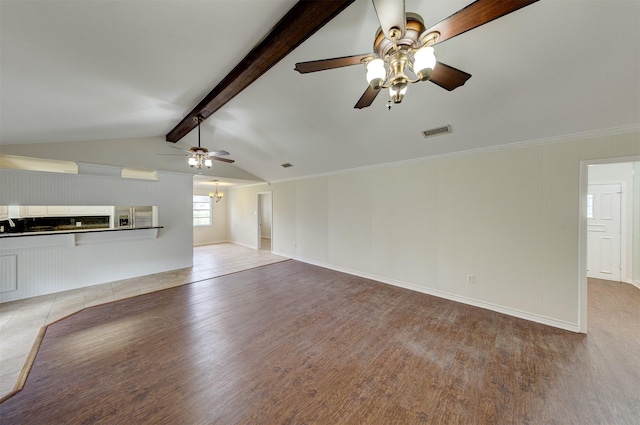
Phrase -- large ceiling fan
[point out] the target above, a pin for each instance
(199, 157)
(403, 48)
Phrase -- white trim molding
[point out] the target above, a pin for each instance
(573, 327)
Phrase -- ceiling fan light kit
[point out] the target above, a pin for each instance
(199, 157)
(423, 63)
(401, 52)
(199, 161)
(376, 73)
(403, 48)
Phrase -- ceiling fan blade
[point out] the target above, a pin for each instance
(367, 98)
(322, 64)
(448, 77)
(179, 148)
(217, 158)
(477, 13)
(219, 153)
(391, 15)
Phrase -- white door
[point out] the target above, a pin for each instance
(264, 212)
(603, 231)
(259, 217)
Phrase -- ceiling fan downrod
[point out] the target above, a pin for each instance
(199, 159)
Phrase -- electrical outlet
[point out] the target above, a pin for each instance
(78, 224)
(471, 278)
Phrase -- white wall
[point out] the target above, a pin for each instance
(52, 269)
(243, 218)
(636, 223)
(508, 217)
(217, 232)
(620, 173)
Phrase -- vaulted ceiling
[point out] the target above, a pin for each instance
(105, 81)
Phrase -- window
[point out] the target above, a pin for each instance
(201, 210)
(589, 206)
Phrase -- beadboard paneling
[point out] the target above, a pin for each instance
(8, 273)
(51, 269)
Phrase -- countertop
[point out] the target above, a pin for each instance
(64, 232)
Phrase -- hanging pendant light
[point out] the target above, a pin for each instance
(217, 195)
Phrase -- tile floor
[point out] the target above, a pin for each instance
(20, 321)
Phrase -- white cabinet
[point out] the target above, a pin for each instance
(33, 211)
(63, 210)
(100, 210)
(57, 210)
(14, 211)
(75, 210)
(78, 210)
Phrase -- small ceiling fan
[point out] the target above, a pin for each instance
(199, 157)
(403, 48)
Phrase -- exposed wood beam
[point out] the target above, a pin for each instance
(302, 21)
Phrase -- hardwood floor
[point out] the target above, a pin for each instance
(291, 343)
(21, 321)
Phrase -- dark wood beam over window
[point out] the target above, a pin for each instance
(302, 21)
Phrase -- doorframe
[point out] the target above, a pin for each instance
(259, 214)
(582, 232)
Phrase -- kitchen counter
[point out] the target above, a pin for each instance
(62, 232)
(11, 241)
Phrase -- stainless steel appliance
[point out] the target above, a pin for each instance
(133, 216)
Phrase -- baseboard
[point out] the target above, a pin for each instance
(630, 282)
(209, 243)
(241, 244)
(573, 327)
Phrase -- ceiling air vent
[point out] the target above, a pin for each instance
(287, 165)
(437, 131)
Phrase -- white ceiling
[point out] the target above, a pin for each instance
(104, 81)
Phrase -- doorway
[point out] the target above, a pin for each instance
(609, 224)
(264, 213)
